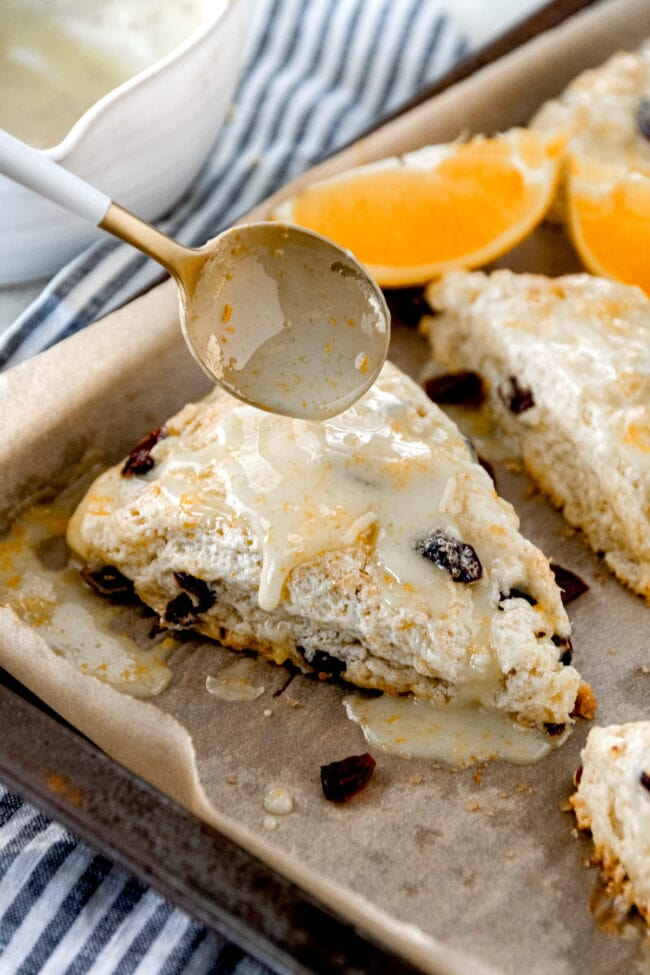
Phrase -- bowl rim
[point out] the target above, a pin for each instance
(85, 121)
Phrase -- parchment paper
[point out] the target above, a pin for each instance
(466, 870)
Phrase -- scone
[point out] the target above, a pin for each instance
(606, 113)
(370, 546)
(613, 801)
(566, 364)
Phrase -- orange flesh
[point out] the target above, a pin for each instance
(402, 217)
(611, 230)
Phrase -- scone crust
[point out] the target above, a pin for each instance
(598, 111)
(580, 346)
(612, 802)
(335, 601)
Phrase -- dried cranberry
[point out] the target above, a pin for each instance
(516, 398)
(109, 581)
(518, 594)
(554, 729)
(140, 460)
(487, 466)
(567, 649)
(407, 305)
(324, 663)
(202, 596)
(643, 117)
(645, 780)
(458, 558)
(342, 780)
(457, 388)
(571, 585)
(180, 610)
(196, 598)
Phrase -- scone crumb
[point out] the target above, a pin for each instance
(293, 702)
(416, 779)
(586, 703)
(473, 806)
(524, 787)
(232, 779)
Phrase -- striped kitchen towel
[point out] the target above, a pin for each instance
(318, 72)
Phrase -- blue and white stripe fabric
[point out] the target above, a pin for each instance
(318, 73)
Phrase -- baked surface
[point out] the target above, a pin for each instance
(566, 362)
(602, 111)
(613, 801)
(371, 546)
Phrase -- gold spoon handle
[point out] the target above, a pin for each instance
(183, 263)
(36, 171)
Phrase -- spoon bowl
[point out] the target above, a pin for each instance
(286, 320)
(281, 317)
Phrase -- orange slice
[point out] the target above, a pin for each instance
(411, 218)
(609, 219)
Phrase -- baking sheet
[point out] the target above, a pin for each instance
(456, 866)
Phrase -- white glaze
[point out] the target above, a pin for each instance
(306, 488)
(167, 117)
(287, 321)
(234, 682)
(76, 623)
(449, 733)
(278, 801)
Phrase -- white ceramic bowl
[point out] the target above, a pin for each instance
(143, 143)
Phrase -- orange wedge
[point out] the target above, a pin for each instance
(409, 219)
(609, 219)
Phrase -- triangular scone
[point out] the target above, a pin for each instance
(606, 113)
(613, 801)
(567, 365)
(602, 112)
(371, 546)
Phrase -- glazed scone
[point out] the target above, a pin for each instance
(566, 363)
(613, 801)
(605, 111)
(371, 546)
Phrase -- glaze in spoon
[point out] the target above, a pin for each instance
(281, 317)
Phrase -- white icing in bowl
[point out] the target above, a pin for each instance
(144, 141)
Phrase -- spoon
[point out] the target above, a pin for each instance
(279, 316)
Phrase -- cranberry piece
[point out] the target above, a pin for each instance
(140, 460)
(564, 643)
(516, 397)
(109, 581)
(202, 596)
(180, 610)
(645, 780)
(196, 598)
(457, 388)
(458, 558)
(554, 729)
(324, 663)
(342, 780)
(487, 466)
(518, 594)
(571, 585)
(407, 305)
